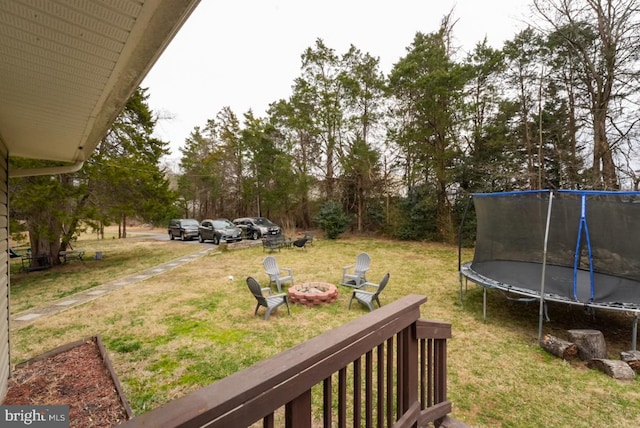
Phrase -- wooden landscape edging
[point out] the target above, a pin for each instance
(105, 360)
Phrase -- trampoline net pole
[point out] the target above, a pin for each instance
(464, 217)
(544, 267)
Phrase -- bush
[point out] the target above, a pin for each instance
(374, 217)
(332, 219)
(417, 215)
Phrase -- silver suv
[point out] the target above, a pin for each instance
(219, 230)
(183, 228)
(257, 227)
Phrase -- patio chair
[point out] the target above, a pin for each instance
(277, 275)
(368, 298)
(309, 236)
(354, 275)
(301, 243)
(272, 242)
(270, 301)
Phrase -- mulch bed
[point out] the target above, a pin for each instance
(78, 375)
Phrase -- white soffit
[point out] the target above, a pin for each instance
(67, 68)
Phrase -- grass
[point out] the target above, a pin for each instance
(120, 257)
(174, 333)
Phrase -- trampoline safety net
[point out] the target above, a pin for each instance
(592, 252)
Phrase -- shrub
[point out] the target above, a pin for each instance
(332, 219)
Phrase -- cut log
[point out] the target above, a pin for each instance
(627, 356)
(632, 358)
(559, 347)
(635, 365)
(590, 343)
(615, 368)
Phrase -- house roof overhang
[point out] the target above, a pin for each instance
(68, 67)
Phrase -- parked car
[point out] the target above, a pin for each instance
(257, 227)
(219, 230)
(183, 228)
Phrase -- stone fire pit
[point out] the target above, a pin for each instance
(313, 293)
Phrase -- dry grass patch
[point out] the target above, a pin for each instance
(120, 258)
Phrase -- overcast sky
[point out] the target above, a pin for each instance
(245, 54)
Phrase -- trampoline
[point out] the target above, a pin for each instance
(574, 247)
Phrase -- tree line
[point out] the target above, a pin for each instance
(399, 153)
(555, 107)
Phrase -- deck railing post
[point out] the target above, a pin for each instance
(298, 411)
(433, 336)
(410, 368)
(441, 370)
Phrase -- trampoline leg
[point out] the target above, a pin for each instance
(546, 312)
(635, 332)
(484, 303)
(542, 314)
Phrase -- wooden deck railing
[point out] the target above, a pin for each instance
(386, 368)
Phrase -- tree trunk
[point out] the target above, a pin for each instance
(443, 211)
(360, 204)
(604, 169)
(41, 244)
(632, 358)
(68, 235)
(590, 343)
(573, 167)
(329, 185)
(615, 368)
(559, 347)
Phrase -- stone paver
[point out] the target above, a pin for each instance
(24, 318)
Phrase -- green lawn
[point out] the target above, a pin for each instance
(177, 332)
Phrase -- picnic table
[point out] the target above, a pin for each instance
(65, 256)
(275, 242)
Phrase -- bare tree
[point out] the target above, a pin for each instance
(604, 38)
(522, 74)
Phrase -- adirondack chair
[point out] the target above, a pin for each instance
(355, 275)
(270, 301)
(300, 243)
(276, 274)
(309, 236)
(368, 298)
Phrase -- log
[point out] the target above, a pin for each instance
(559, 347)
(627, 356)
(615, 368)
(635, 365)
(632, 358)
(590, 343)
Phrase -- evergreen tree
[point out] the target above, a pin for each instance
(427, 86)
(121, 180)
(364, 87)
